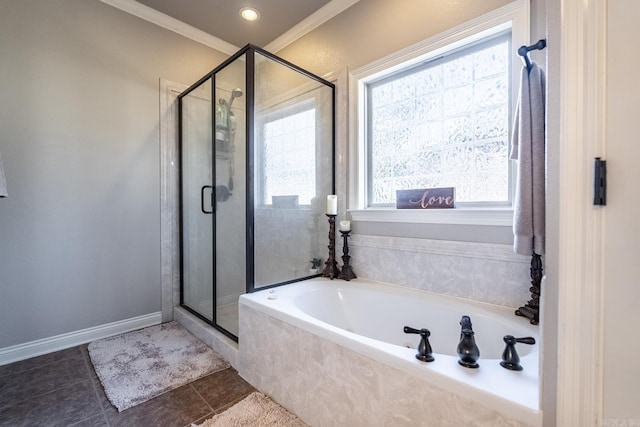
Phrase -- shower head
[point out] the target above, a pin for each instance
(236, 93)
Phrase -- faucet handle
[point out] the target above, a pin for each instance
(424, 348)
(510, 358)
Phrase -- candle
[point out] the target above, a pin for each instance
(345, 225)
(332, 204)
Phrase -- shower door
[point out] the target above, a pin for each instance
(213, 197)
(196, 200)
(230, 171)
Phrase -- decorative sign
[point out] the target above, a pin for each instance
(426, 198)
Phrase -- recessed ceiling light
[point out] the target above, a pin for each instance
(249, 13)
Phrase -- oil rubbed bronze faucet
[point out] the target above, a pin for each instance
(510, 358)
(425, 353)
(468, 351)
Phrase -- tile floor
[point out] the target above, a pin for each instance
(62, 389)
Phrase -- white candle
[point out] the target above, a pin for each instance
(345, 225)
(332, 204)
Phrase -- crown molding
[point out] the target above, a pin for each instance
(165, 21)
(313, 21)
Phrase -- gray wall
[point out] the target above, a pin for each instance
(79, 234)
(373, 29)
(80, 231)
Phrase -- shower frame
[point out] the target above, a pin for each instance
(249, 50)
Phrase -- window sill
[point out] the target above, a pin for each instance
(502, 217)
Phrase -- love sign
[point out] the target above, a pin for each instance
(426, 198)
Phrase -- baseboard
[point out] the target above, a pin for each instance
(60, 342)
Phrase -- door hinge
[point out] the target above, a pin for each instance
(600, 182)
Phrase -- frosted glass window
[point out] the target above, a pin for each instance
(444, 123)
(289, 157)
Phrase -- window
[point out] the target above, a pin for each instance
(288, 156)
(438, 114)
(443, 123)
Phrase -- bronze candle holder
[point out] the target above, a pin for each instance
(347, 272)
(331, 266)
(531, 309)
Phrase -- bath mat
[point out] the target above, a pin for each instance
(140, 365)
(255, 410)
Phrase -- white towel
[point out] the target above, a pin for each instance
(3, 181)
(528, 149)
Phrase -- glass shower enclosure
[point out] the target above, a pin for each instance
(256, 163)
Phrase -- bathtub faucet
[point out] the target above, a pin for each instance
(425, 353)
(465, 323)
(510, 358)
(468, 351)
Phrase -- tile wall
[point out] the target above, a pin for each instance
(485, 272)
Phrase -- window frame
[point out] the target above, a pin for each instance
(277, 112)
(463, 51)
(513, 17)
(288, 103)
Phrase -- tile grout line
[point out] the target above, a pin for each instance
(44, 365)
(230, 404)
(79, 422)
(205, 402)
(89, 365)
(217, 410)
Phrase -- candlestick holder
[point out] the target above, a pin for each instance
(331, 266)
(347, 272)
(531, 310)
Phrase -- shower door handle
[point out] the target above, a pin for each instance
(204, 211)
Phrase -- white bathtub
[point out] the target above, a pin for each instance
(367, 317)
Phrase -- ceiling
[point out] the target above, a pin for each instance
(218, 24)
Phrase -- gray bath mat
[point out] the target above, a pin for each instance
(255, 410)
(140, 365)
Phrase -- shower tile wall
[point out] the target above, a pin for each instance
(304, 237)
(480, 271)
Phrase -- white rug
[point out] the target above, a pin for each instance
(140, 365)
(255, 410)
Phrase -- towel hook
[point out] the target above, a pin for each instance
(524, 51)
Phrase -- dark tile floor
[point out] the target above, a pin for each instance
(62, 389)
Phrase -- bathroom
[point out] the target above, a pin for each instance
(81, 240)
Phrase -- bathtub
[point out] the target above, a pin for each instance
(341, 344)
